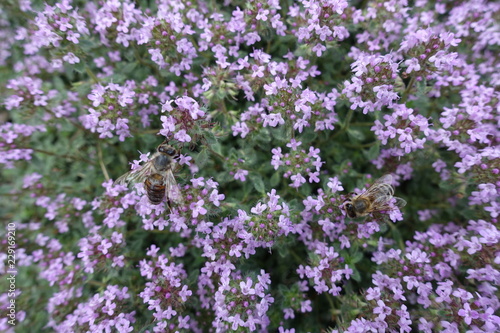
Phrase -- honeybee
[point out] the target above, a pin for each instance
(376, 198)
(157, 175)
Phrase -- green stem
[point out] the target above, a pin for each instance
(364, 145)
(141, 61)
(400, 241)
(348, 119)
(91, 74)
(406, 93)
(330, 301)
(101, 161)
(96, 283)
(46, 152)
(215, 153)
(295, 256)
(346, 125)
(149, 131)
(360, 124)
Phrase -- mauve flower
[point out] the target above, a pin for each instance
(197, 208)
(241, 175)
(382, 310)
(413, 65)
(182, 136)
(297, 180)
(31, 179)
(335, 185)
(293, 144)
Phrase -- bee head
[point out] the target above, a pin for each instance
(349, 208)
(168, 150)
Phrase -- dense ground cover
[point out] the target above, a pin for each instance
(278, 110)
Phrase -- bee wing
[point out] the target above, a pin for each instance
(399, 202)
(172, 191)
(381, 200)
(380, 191)
(136, 176)
(385, 179)
(391, 204)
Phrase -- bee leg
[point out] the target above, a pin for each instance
(169, 204)
(176, 168)
(167, 138)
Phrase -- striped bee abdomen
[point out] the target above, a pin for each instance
(155, 188)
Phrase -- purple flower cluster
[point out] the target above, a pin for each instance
(242, 302)
(97, 252)
(326, 271)
(185, 116)
(425, 271)
(102, 312)
(108, 104)
(406, 127)
(298, 163)
(268, 222)
(13, 142)
(284, 106)
(165, 293)
(372, 86)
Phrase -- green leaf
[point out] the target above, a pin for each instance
(79, 67)
(249, 155)
(263, 137)
(305, 189)
(373, 152)
(59, 83)
(280, 133)
(258, 184)
(355, 274)
(399, 85)
(356, 257)
(355, 134)
(224, 177)
(216, 147)
(422, 88)
(210, 138)
(396, 236)
(128, 68)
(308, 136)
(202, 158)
(275, 179)
(86, 45)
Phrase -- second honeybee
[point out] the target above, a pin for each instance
(376, 198)
(157, 175)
